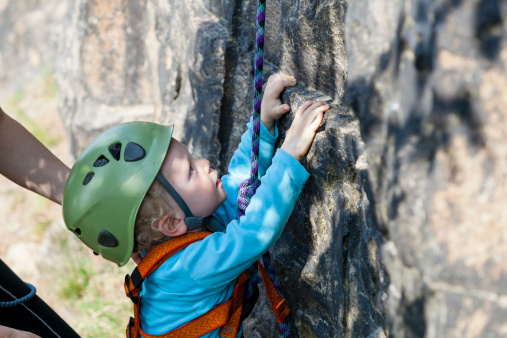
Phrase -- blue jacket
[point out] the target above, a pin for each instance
(204, 274)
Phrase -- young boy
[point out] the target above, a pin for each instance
(135, 187)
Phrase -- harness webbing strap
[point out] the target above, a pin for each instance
(230, 328)
(159, 254)
(155, 257)
(277, 302)
(226, 315)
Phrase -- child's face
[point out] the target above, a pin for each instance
(197, 183)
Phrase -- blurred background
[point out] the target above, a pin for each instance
(33, 239)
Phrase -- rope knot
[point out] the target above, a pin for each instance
(246, 190)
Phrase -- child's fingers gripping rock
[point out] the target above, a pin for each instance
(276, 84)
(272, 107)
(300, 135)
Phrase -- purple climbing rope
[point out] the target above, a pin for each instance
(248, 187)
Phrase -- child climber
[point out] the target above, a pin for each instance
(135, 187)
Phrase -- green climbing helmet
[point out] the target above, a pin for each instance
(107, 184)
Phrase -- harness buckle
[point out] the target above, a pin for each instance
(130, 325)
(281, 311)
(129, 294)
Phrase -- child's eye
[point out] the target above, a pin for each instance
(191, 170)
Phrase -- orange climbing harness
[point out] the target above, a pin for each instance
(225, 316)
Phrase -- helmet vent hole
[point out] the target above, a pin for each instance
(101, 161)
(88, 178)
(115, 150)
(107, 239)
(78, 231)
(133, 152)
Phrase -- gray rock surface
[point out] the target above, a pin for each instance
(401, 229)
(429, 87)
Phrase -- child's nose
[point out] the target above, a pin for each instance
(206, 166)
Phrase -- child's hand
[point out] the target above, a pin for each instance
(302, 131)
(272, 108)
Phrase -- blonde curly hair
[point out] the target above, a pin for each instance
(154, 205)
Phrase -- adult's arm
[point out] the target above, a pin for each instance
(28, 163)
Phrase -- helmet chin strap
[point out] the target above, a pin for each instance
(193, 223)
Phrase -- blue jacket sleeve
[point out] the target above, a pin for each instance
(239, 169)
(220, 258)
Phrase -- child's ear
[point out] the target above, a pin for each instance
(171, 226)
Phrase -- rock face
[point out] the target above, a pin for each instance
(429, 88)
(401, 229)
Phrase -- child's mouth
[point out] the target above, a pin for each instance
(219, 181)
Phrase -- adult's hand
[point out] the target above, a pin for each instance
(7, 332)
